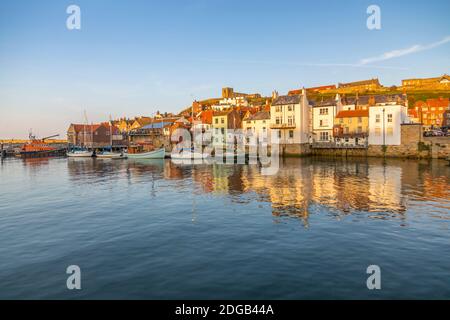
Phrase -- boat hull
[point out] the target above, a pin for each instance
(41, 154)
(111, 156)
(157, 154)
(87, 154)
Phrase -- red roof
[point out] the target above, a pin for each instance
(412, 113)
(93, 127)
(206, 116)
(353, 113)
(438, 102)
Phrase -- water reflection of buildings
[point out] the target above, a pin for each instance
(301, 186)
(366, 185)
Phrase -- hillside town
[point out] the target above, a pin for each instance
(356, 118)
(353, 115)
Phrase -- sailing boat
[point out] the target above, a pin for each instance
(83, 152)
(111, 154)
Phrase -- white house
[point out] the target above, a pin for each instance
(227, 103)
(385, 122)
(323, 114)
(291, 116)
(257, 128)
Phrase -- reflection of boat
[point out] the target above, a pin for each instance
(111, 155)
(156, 154)
(80, 154)
(38, 148)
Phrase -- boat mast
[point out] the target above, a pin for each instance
(84, 130)
(110, 132)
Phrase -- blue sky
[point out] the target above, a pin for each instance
(135, 57)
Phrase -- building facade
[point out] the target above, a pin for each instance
(95, 136)
(256, 128)
(360, 86)
(431, 113)
(224, 125)
(323, 114)
(290, 116)
(385, 122)
(442, 82)
(351, 128)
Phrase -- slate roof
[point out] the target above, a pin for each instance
(283, 100)
(156, 125)
(261, 115)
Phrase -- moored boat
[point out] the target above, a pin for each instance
(80, 154)
(111, 155)
(37, 148)
(156, 154)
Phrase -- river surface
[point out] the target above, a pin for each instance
(156, 230)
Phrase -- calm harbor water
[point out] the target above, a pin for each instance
(156, 230)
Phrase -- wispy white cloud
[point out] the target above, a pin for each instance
(296, 64)
(403, 52)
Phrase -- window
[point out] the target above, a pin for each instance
(279, 134)
(216, 121)
(378, 131)
(289, 108)
(389, 117)
(222, 120)
(324, 136)
(248, 122)
(323, 111)
(291, 134)
(290, 121)
(341, 120)
(278, 120)
(359, 130)
(377, 118)
(277, 109)
(222, 130)
(359, 120)
(390, 131)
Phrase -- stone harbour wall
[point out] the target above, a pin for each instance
(413, 145)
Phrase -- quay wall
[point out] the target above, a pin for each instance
(413, 145)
